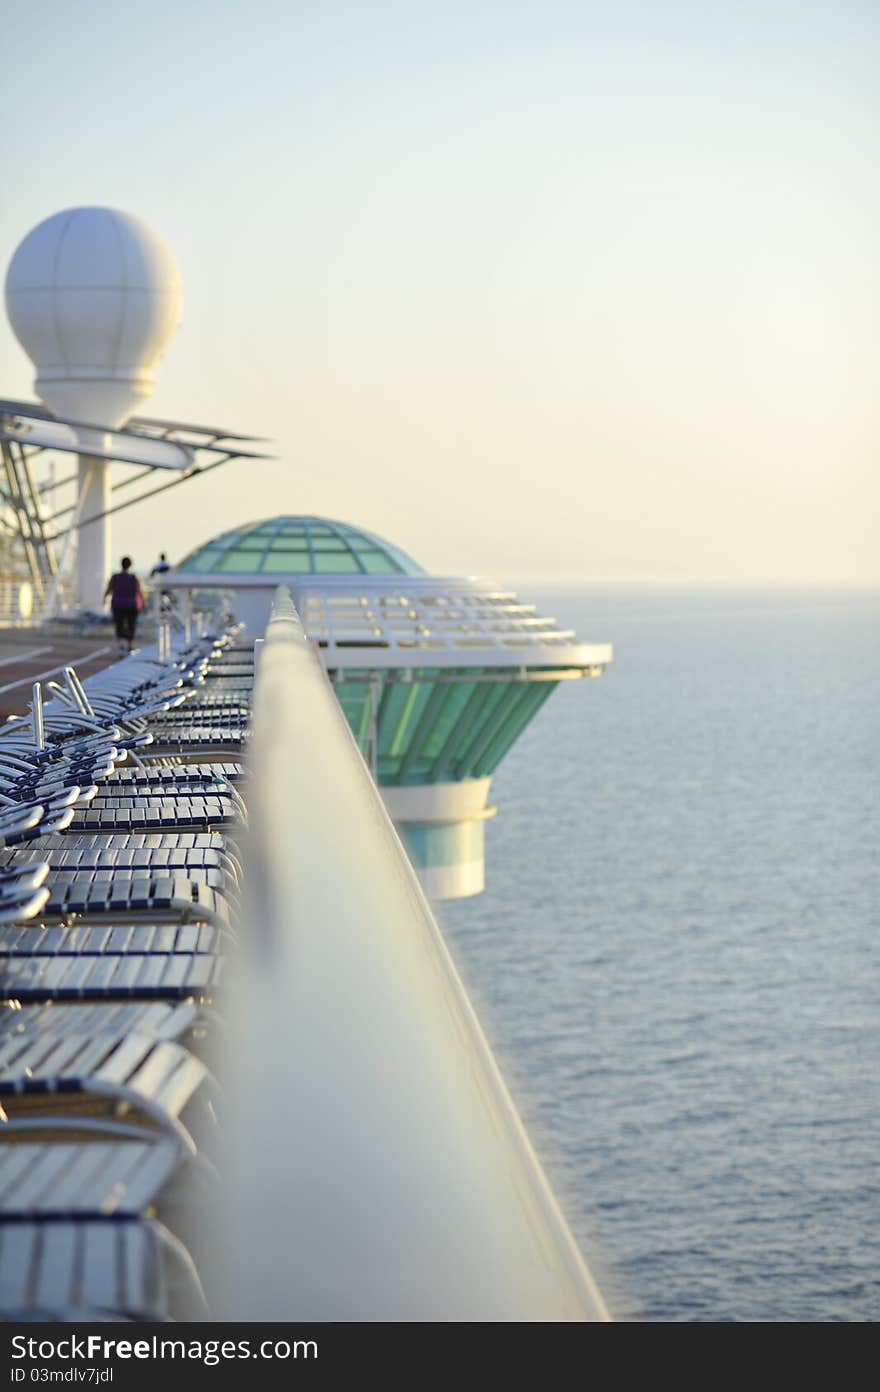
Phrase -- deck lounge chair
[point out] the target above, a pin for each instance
(79, 1271)
(186, 1022)
(103, 1075)
(169, 852)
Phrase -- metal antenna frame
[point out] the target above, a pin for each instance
(207, 447)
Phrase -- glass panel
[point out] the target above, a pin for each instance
(458, 695)
(333, 563)
(207, 560)
(398, 726)
(530, 700)
(354, 697)
(377, 563)
(394, 700)
(495, 694)
(286, 562)
(329, 544)
(244, 562)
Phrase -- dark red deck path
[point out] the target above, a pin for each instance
(31, 654)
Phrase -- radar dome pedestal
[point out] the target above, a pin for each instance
(93, 296)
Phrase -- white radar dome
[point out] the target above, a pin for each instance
(93, 296)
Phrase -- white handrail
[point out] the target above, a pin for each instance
(379, 1169)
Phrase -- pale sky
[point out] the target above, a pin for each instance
(565, 289)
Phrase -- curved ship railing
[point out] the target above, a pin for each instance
(379, 1168)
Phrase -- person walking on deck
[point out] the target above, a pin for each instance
(159, 570)
(126, 601)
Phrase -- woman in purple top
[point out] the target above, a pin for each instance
(126, 599)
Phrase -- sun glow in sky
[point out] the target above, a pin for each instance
(564, 289)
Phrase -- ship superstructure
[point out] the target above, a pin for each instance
(438, 676)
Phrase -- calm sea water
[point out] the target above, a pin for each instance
(678, 953)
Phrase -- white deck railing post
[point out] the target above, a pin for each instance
(37, 728)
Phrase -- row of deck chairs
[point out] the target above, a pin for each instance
(121, 804)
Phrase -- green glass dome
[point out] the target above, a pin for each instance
(298, 545)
